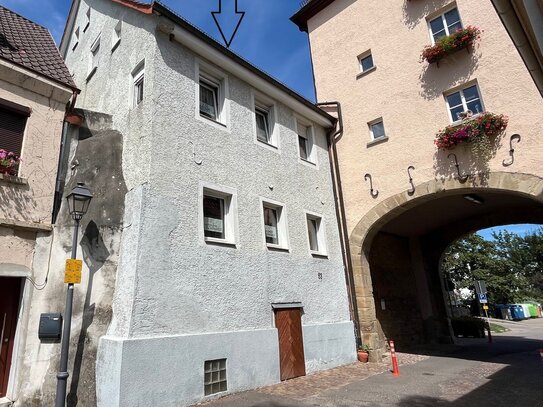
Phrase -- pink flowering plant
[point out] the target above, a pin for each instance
(444, 46)
(9, 163)
(480, 131)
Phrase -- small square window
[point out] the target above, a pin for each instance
(209, 99)
(366, 62)
(464, 103)
(116, 39)
(445, 24)
(138, 84)
(315, 232)
(377, 129)
(215, 376)
(218, 215)
(275, 233)
(305, 142)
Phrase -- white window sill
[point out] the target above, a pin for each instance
(377, 141)
(213, 122)
(114, 47)
(277, 247)
(466, 120)
(361, 74)
(307, 162)
(91, 73)
(268, 145)
(319, 254)
(222, 242)
(13, 179)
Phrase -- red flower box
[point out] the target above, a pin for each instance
(445, 46)
(483, 125)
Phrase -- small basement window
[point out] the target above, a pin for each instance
(215, 376)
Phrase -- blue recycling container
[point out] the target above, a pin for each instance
(517, 312)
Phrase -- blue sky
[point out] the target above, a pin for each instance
(521, 229)
(266, 37)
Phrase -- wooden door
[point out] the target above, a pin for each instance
(291, 343)
(10, 291)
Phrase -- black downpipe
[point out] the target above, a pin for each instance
(333, 137)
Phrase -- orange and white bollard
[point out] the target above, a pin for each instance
(395, 369)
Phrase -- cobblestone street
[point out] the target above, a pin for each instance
(508, 372)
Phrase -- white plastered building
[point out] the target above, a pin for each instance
(231, 262)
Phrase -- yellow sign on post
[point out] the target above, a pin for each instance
(485, 306)
(72, 274)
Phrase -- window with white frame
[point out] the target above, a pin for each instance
(218, 214)
(116, 39)
(138, 83)
(445, 24)
(464, 103)
(305, 142)
(75, 39)
(94, 56)
(366, 62)
(263, 128)
(315, 233)
(212, 94)
(87, 19)
(275, 225)
(377, 129)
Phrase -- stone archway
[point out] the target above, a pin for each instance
(513, 198)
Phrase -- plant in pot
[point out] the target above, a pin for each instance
(363, 353)
(9, 163)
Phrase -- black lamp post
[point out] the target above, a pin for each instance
(78, 203)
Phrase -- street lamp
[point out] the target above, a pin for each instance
(78, 204)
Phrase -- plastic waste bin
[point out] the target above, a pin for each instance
(517, 312)
(533, 311)
(526, 310)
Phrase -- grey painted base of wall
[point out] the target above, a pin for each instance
(169, 371)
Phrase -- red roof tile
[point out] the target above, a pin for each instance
(30, 45)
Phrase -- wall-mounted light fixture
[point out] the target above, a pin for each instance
(474, 198)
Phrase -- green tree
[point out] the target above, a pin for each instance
(511, 265)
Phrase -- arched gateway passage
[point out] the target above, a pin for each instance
(396, 250)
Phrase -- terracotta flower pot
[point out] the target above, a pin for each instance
(362, 356)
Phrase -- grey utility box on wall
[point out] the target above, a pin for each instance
(50, 327)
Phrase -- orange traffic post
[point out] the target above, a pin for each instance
(395, 369)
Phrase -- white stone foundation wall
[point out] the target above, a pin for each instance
(169, 371)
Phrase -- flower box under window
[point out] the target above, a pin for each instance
(9, 163)
(472, 129)
(450, 44)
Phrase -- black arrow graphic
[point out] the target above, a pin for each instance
(237, 14)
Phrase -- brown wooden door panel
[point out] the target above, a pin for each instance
(291, 345)
(10, 290)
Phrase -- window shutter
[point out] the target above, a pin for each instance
(12, 128)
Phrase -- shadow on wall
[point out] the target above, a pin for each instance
(95, 254)
(467, 161)
(17, 202)
(415, 11)
(454, 70)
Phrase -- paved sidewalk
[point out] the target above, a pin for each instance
(506, 373)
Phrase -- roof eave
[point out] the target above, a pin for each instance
(303, 15)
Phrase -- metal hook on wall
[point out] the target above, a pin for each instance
(198, 162)
(511, 150)
(412, 190)
(461, 178)
(373, 192)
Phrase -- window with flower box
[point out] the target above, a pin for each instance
(464, 102)
(13, 119)
(445, 24)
